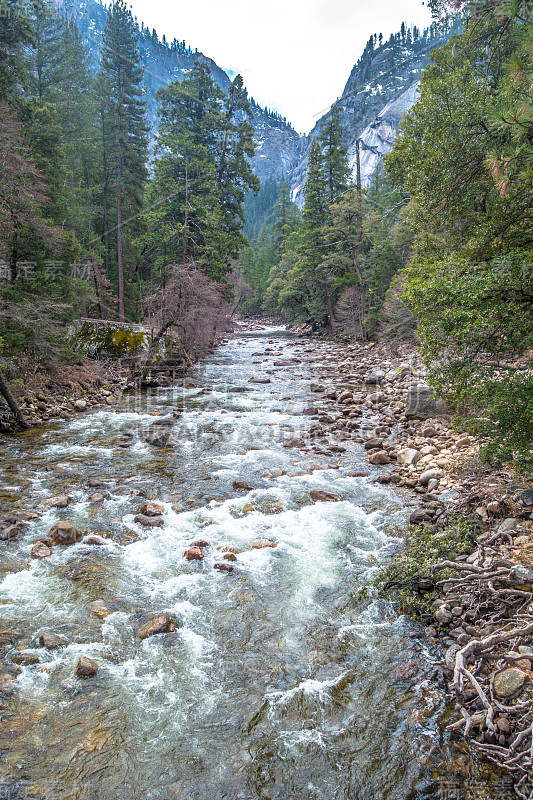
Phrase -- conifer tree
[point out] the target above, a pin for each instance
(335, 154)
(124, 130)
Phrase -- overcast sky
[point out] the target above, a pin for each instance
(294, 55)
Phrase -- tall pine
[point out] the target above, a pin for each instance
(124, 135)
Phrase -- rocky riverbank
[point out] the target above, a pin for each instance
(481, 602)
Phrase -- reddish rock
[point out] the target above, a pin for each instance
(200, 543)
(224, 566)
(229, 556)
(93, 538)
(151, 509)
(320, 495)
(51, 641)
(161, 624)
(260, 544)
(64, 533)
(149, 522)
(86, 668)
(40, 550)
(194, 554)
(243, 486)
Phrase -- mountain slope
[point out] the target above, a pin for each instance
(382, 86)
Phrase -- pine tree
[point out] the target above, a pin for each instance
(124, 130)
(335, 155)
(15, 37)
(200, 174)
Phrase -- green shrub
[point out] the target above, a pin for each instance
(422, 548)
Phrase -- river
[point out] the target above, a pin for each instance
(281, 680)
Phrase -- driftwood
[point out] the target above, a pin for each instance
(12, 403)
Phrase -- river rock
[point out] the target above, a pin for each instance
(96, 497)
(86, 667)
(243, 486)
(322, 496)
(260, 544)
(51, 642)
(376, 376)
(10, 532)
(294, 441)
(40, 550)
(100, 610)
(443, 616)
(200, 543)
(161, 624)
(25, 516)
(379, 458)
(229, 556)
(259, 380)
(161, 437)
(408, 456)
(95, 483)
(64, 533)
(149, 522)
(25, 659)
(420, 403)
(509, 681)
(429, 475)
(60, 501)
(95, 539)
(79, 405)
(151, 509)
(224, 566)
(194, 554)
(7, 684)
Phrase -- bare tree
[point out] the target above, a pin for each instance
(192, 306)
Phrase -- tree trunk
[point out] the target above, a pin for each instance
(332, 321)
(119, 259)
(105, 208)
(12, 403)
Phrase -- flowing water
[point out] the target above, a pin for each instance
(281, 680)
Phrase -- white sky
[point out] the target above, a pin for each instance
(294, 55)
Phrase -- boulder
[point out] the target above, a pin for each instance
(60, 501)
(161, 437)
(25, 659)
(420, 403)
(224, 566)
(86, 667)
(243, 486)
(194, 554)
(229, 556)
(376, 376)
(94, 539)
(161, 624)
(149, 522)
(200, 543)
(408, 456)
(11, 532)
(51, 642)
(64, 533)
(79, 405)
(96, 497)
(443, 616)
(25, 516)
(379, 458)
(294, 441)
(40, 550)
(509, 682)
(322, 496)
(429, 475)
(151, 509)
